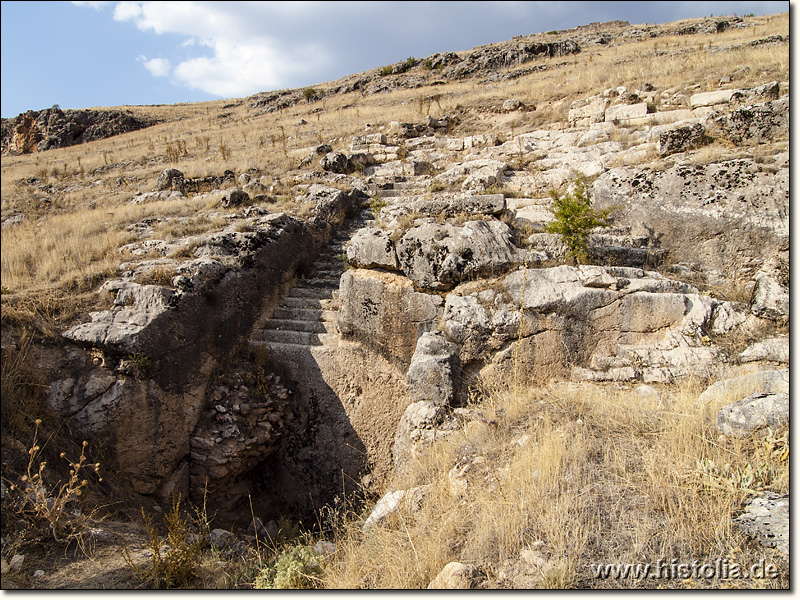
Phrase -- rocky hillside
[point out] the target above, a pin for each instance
(36, 131)
(279, 340)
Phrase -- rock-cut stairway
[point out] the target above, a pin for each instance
(306, 316)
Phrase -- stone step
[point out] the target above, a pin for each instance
(307, 303)
(320, 293)
(306, 338)
(301, 325)
(304, 314)
(319, 282)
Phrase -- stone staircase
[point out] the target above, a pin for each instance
(306, 316)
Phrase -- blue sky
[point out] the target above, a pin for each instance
(86, 54)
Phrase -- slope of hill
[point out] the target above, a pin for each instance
(359, 305)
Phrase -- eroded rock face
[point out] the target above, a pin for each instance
(766, 518)
(383, 311)
(434, 372)
(241, 428)
(729, 217)
(439, 256)
(35, 131)
(762, 409)
(616, 323)
(756, 124)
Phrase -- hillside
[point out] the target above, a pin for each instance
(484, 319)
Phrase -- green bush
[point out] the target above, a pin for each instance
(309, 94)
(575, 218)
(387, 70)
(295, 569)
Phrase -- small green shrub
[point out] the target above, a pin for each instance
(296, 569)
(375, 206)
(387, 70)
(309, 94)
(575, 218)
(411, 62)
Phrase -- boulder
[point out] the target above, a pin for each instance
(713, 98)
(511, 105)
(220, 538)
(476, 175)
(434, 372)
(235, 198)
(770, 299)
(393, 502)
(446, 207)
(758, 410)
(623, 112)
(774, 382)
(756, 124)
(171, 179)
(136, 307)
(372, 248)
(383, 311)
(419, 424)
(335, 162)
(766, 518)
(438, 256)
(773, 350)
(681, 139)
(457, 576)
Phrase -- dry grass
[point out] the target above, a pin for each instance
(598, 475)
(75, 200)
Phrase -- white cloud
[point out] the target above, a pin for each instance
(127, 11)
(158, 67)
(94, 5)
(232, 49)
(253, 45)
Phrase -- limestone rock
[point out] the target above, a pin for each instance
(766, 518)
(434, 372)
(383, 311)
(421, 423)
(774, 382)
(681, 139)
(335, 162)
(457, 576)
(756, 124)
(622, 112)
(751, 413)
(713, 98)
(170, 179)
(476, 175)
(235, 198)
(437, 257)
(220, 538)
(773, 349)
(473, 204)
(770, 299)
(372, 248)
(393, 502)
(136, 308)
(726, 216)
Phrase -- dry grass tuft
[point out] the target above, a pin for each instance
(589, 474)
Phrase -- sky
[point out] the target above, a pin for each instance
(90, 54)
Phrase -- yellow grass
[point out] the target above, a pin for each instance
(595, 474)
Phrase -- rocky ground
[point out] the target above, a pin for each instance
(330, 345)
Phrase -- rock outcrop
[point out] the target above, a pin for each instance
(36, 131)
